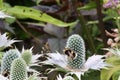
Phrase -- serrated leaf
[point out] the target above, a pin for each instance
(25, 12)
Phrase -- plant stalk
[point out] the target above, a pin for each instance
(84, 27)
(101, 24)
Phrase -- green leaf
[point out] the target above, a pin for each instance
(38, 1)
(25, 12)
(119, 78)
(111, 12)
(115, 62)
(91, 75)
(1, 4)
(116, 75)
(88, 6)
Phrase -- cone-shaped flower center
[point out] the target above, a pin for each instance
(76, 52)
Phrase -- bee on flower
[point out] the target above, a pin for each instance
(73, 58)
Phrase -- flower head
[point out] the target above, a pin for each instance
(30, 59)
(74, 58)
(110, 3)
(75, 49)
(28, 56)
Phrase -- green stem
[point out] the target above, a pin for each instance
(86, 30)
(117, 15)
(101, 24)
(84, 27)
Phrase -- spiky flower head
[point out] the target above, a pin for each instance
(74, 60)
(7, 59)
(5, 42)
(29, 58)
(27, 55)
(75, 49)
(18, 70)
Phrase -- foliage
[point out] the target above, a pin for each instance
(25, 12)
(114, 61)
(41, 20)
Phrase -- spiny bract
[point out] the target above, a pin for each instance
(76, 44)
(7, 59)
(18, 70)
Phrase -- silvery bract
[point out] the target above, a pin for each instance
(5, 42)
(3, 15)
(3, 78)
(115, 51)
(74, 60)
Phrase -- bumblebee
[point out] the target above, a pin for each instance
(70, 53)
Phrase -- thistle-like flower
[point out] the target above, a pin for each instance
(7, 59)
(18, 70)
(5, 42)
(74, 60)
(30, 59)
(33, 59)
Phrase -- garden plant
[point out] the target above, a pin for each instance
(60, 40)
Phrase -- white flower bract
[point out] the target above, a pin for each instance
(58, 59)
(94, 62)
(3, 15)
(3, 78)
(59, 77)
(5, 42)
(114, 51)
